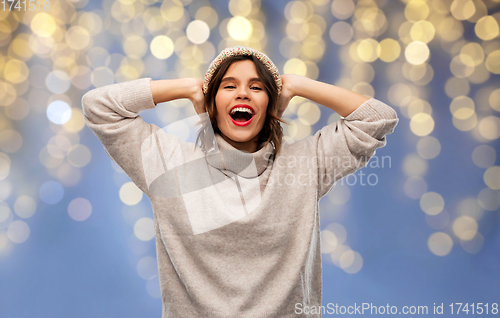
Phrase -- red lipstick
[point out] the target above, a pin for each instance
(242, 123)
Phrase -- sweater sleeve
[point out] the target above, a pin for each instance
(348, 144)
(111, 112)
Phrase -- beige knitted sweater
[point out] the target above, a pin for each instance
(237, 233)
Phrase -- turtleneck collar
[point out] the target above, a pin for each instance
(232, 161)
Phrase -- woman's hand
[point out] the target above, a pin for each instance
(191, 88)
(197, 97)
(289, 82)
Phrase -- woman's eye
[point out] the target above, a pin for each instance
(229, 86)
(258, 88)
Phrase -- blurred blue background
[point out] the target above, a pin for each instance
(76, 237)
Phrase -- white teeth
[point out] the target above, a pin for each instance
(241, 109)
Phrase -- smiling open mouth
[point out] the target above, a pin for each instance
(241, 116)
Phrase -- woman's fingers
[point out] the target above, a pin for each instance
(285, 96)
(198, 98)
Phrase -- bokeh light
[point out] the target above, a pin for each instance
(440, 243)
(59, 112)
(144, 229)
(79, 209)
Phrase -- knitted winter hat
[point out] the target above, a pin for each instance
(241, 50)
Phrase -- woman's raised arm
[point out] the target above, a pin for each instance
(112, 113)
(168, 90)
(348, 144)
(340, 100)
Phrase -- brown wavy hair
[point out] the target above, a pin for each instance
(271, 131)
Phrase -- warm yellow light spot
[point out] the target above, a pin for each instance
(20, 46)
(493, 62)
(343, 9)
(340, 194)
(465, 227)
(16, 71)
(432, 203)
(328, 241)
(418, 73)
(462, 107)
(428, 147)
(25, 206)
(400, 94)
(77, 37)
(487, 28)
(388, 50)
(416, 10)
(309, 113)
(404, 32)
(351, 262)
(422, 124)
(489, 199)
(128, 72)
(58, 146)
(172, 11)
(489, 127)
(341, 33)
(162, 47)
(450, 29)
(10, 140)
(123, 12)
(130, 194)
(76, 122)
(474, 53)
(414, 165)
(474, 245)
(297, 130)
(422, 31)
(240, 7)
(470, 207)
(462, 69)
(494, 99)
(417, 52)
(239, 28)
(462, 10)
(313, 49)
(135, 46)
(484, 156)
(367, 50)
(295, 66)
(296, 12)
(208, 15)
(320, 2)
(43, 24)
(492, 177)
(79, 156)
(465, 124)
(5, 27)
(8, 94)
(197, 31)
(5, 164)
(297, 31)
(144, 229)
(440, 243)
(92, 22)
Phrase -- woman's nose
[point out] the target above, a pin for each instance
(242, 93)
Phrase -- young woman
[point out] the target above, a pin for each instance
(236, 219)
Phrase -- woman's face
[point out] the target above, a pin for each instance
(241, 88)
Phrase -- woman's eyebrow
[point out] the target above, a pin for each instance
(230, 78)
